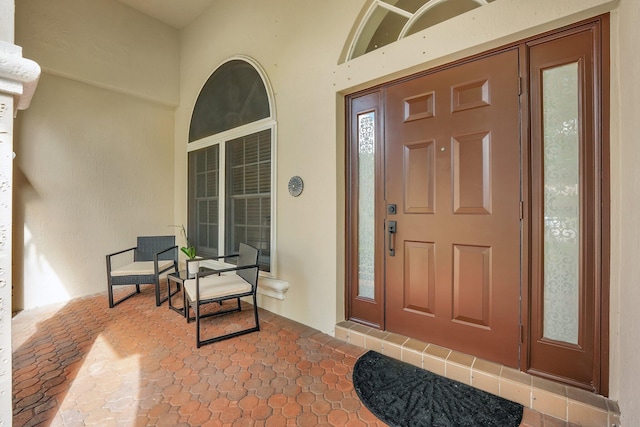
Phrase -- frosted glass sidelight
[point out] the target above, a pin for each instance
(366, 204)
(561, 202)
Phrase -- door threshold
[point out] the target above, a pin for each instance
(557, 400)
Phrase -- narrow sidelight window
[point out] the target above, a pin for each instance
(366, 204)
(561, 175)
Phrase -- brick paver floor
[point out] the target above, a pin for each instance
(81, 363)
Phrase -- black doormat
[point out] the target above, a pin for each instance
(404, 395)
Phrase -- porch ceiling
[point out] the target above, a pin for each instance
(176, 13)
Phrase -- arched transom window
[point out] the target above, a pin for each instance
(387, 21)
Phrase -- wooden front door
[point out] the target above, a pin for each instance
(452, 170)
(500, 242)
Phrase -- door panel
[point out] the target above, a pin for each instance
(471, 174)
(472, 283)
(419, 190)
(453, 166)
(419, 277)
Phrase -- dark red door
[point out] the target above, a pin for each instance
(452, 169)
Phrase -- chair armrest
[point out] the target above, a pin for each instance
(155, 256)
(121, 252)
(213, 258)
(224, 270)
(114, 254)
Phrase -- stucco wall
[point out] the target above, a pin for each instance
(625, 207)
(7, 10)
(93, 170)
(94, 165)
(78, 202)
(298, 53)
(103, 43)
(303, 61)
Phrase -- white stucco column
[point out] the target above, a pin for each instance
(18, 80)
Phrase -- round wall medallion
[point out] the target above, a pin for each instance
(295, 186)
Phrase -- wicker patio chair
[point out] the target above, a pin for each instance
(217, 286)
(153, 256)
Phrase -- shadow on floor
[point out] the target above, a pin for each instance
(137, 364)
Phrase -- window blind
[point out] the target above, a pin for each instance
(248, 201)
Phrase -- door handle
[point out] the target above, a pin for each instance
(391, 230)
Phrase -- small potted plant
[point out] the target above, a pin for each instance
(193, 265)
(190, 251)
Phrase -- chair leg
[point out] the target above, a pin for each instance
(197, 310)
(157, 286)
(185, 305)
(113, 303)
(255, 328)
(255, 311)
(159, 301)
(110, 292)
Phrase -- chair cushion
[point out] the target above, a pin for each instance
(139, 268)
(215, 286)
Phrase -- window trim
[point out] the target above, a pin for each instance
(220, 139)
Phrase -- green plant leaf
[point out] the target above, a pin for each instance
(190, 251)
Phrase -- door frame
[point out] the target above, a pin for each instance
(601, 270)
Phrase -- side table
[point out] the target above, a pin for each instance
(178, 278)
